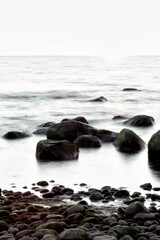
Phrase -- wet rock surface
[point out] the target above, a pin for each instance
(27, 216)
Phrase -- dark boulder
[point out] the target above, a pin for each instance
(99, 99)
(140, 121)
(56, 150)
(105, 135)
(128, 141)
(69, 130)
(146, 186)
(88, 141)
(118, 117)
(154, 148)
(16, 135)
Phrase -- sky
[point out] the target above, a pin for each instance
(79, 27)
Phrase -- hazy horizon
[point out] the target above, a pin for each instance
(81, 27)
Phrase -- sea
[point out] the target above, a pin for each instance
(35, 90)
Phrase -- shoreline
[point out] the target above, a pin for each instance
(94, 214)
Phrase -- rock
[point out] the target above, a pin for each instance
(134, 208)
(155, 197)
(81, 119)
(49, 237)
(73, 233)
(96, 196)
(121, 194)
(105, 237)
(74, 209)
(146, 186)
(125, 230)
(88, 141)
(154, 148)
(3, 226)
(23, 233)
(56, 150)
(144, 216)
(140, 121)
(105, 135)
(130, 89)
(69, 130)
(16, 135)
(127, 237)
(7, 236)
(57, 226)
(41, 131)
(99, 99)
(42, 183)
(47, 124)
(118, 117)
(128, 141)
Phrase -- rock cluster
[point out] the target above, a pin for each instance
(25, 216)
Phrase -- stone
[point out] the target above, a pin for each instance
(56, 150)
(57, 226)
(73, 234)
(47, 124)
(144, 216)
(68, 130)
(121, 194)
(130, 89)
(154, 148)
(140, 121)
(24, 233)
(99, 99)
(41, 131)
(105, 135)
(42, 183)
(128, 141)
(125, 230)
(88, 141)
(96, 196)
(118, 117)
(105, 237)
(3, 225)
(74, 209)
(134, 208)
(49, 237)
(16, 135)
(146, 186)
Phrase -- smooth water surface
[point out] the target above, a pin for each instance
(35, 90)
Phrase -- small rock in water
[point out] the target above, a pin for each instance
(99, 99)
(130, 89)
(16, 135)
(146, 186)
(42, 183)
(140, 121)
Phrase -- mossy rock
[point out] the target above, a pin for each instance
(128, 141)
(73, 233)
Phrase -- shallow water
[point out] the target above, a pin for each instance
(35, 90)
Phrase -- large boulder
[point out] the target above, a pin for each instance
(16, 135)
(56, 150)
(140, 121)
(69, 130)
(128, 141)
(154, 147)
(88, 141)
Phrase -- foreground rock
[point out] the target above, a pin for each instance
(140, 121)
(88, 141)
(154, 147)
(128, 141)
(16, 135)
(56, 150)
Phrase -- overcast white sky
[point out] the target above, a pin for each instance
(79, 27)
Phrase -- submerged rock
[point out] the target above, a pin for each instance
(88, 141)
(154, 147)
(56, 150)
(128, 141)
(41, 131)
(78, 119)
(105, 135)
(99, 99)
(140, 121)
(47, 124)
(16, 135)
(69, 130)
(130, 89)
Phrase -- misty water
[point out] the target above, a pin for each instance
(35, 90)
